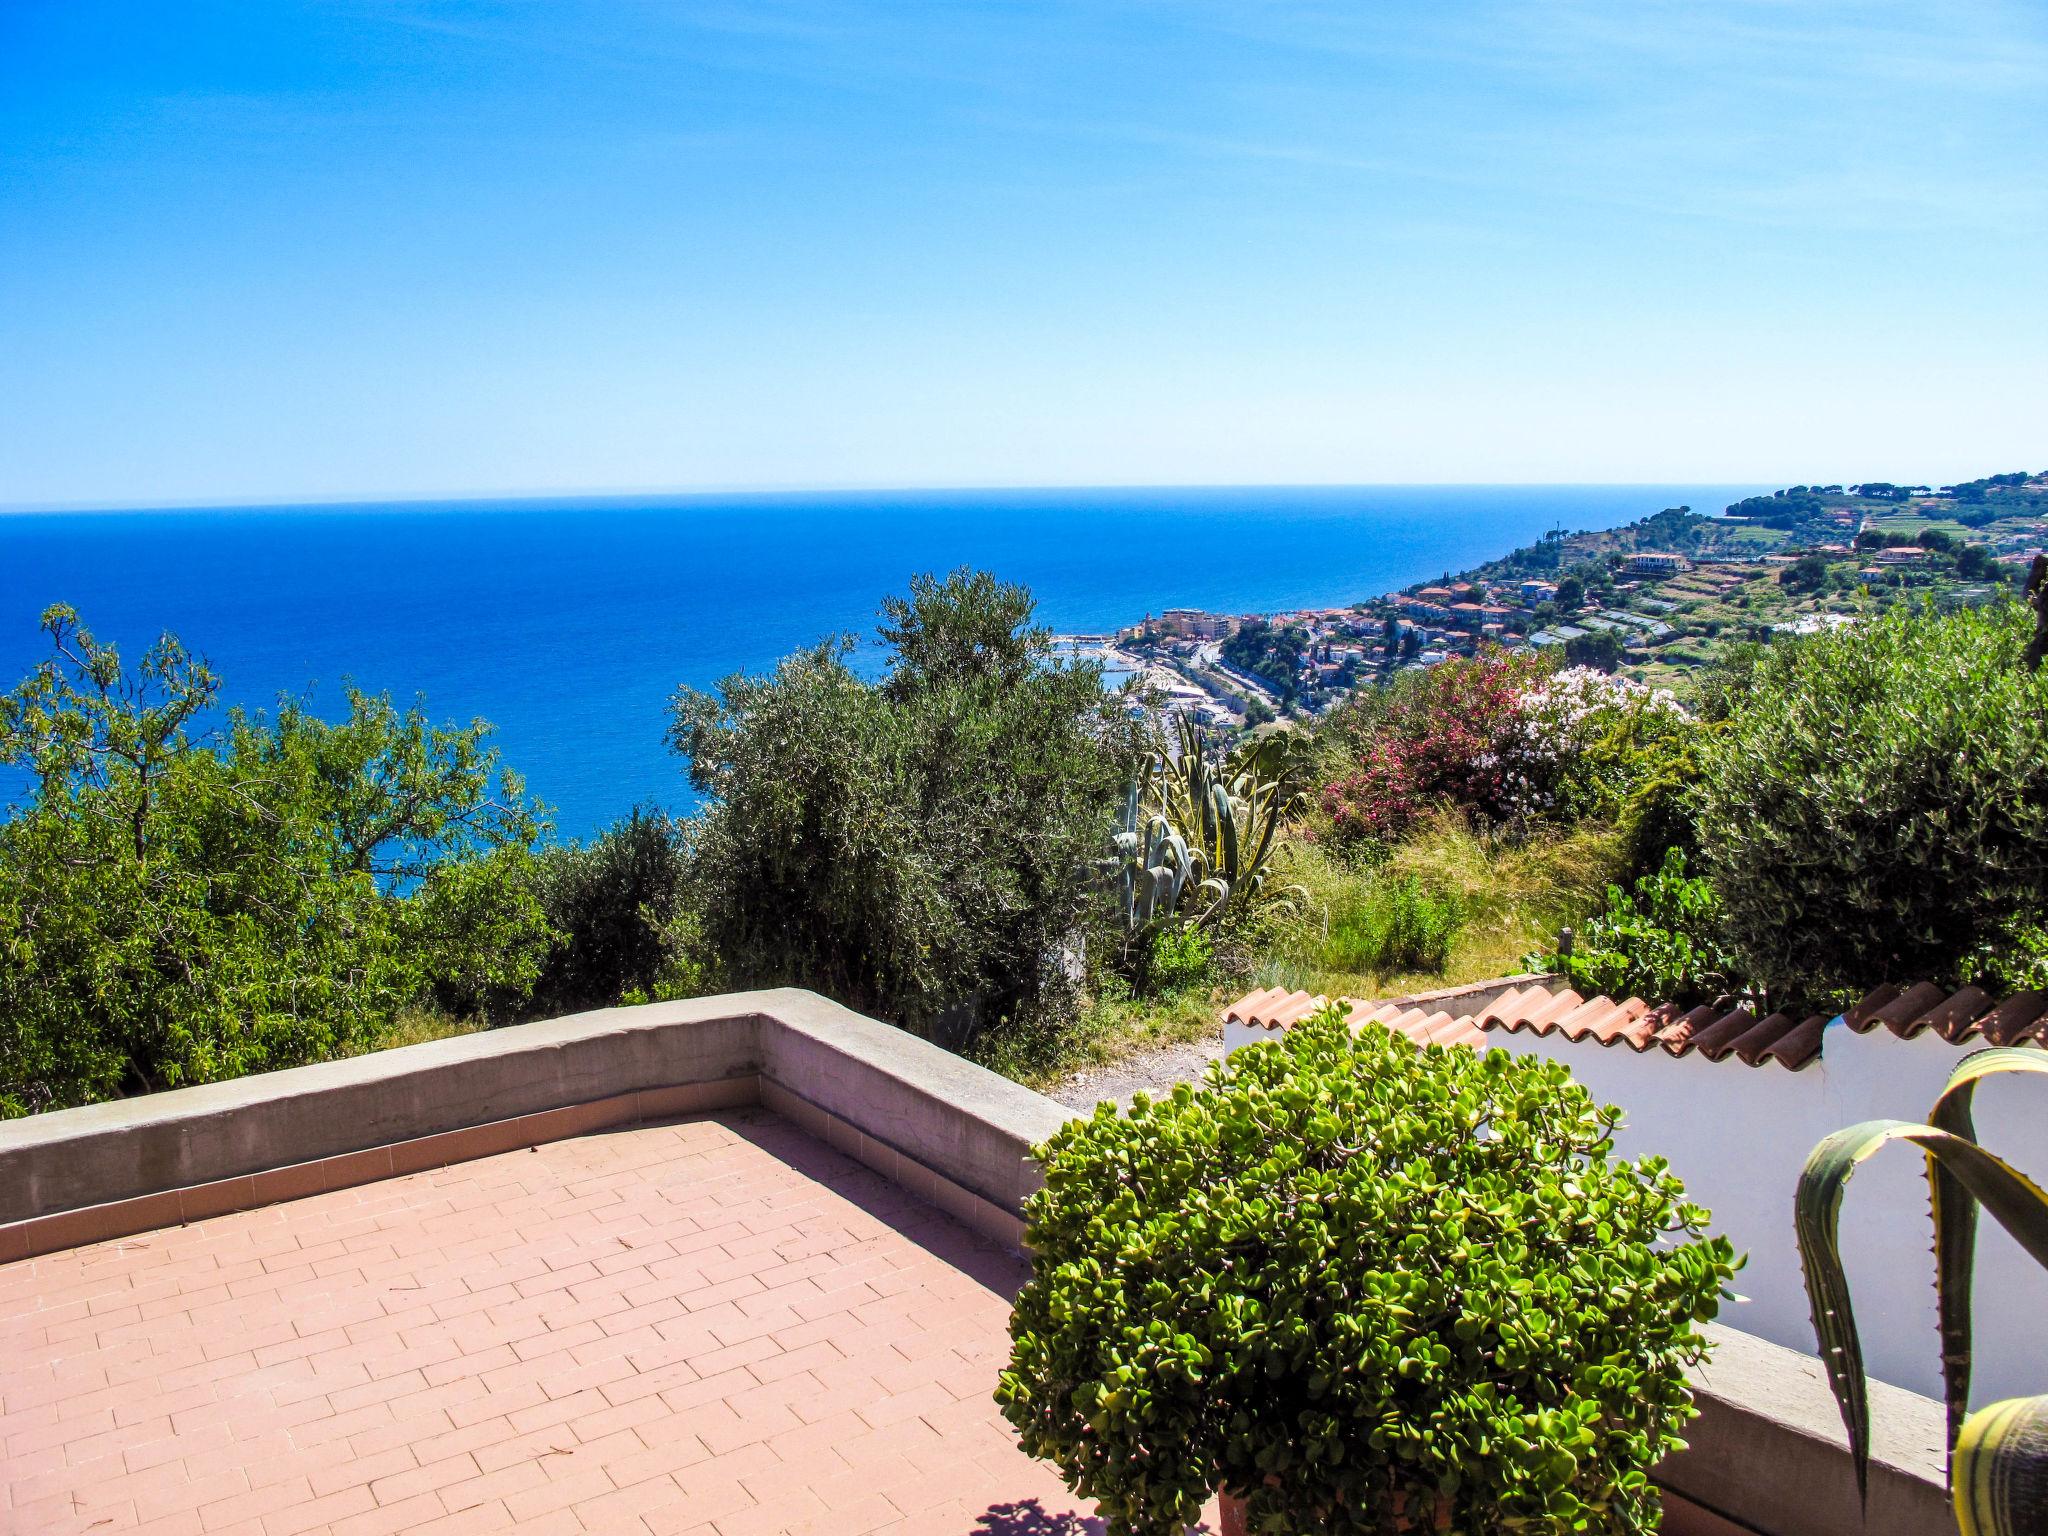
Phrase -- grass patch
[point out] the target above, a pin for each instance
(1447, 906)
(1512, 897)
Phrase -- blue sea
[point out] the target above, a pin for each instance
(568, 623)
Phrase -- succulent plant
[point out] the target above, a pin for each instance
(1998, 1457)
(1196, 838)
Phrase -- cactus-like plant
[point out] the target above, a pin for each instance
(1197, 834)
(1998, 1458)
(1229, 807)
(1149, 866)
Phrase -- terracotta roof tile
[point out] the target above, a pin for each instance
(1464, 1032)
(1955, 1018)
(1586, 1018)
(1906, 1014)
(1506, 1008)
(1723, 1033)
(1864, 1015)
(1797, 1046)
(2016, 1019)
(1677, 1035)
(1641, 1034)
(1718, 1039)
(1547, 1009)
(1752, 1043)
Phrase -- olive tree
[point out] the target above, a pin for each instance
(1876, 805)
(910, 845)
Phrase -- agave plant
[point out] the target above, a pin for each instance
(1197, 833)
(1150, 867)
(1229, 808)
(1998, 1457)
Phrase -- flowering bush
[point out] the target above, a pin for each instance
(1584, 739)
(1503, 739)
(1450, 735)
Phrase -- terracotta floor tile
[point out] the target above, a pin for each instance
(717, 1326)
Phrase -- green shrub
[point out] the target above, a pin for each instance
(1877, 807)
(178, 907)
(1181, 957)
(1394, 924)
(1660, 812)
(1663, 942)
(1309, 1283)
(2017, 961)
(617, 908)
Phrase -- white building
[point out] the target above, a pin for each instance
(1656, 562)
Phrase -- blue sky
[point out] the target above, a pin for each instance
(272, 250)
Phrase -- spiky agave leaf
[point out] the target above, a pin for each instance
(1228, 809)
(1999, 1469)
(1955, 1219)
(2014, 1201)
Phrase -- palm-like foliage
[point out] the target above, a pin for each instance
(1998, 1458)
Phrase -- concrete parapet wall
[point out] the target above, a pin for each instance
(1768, 1451)
(81, 1175)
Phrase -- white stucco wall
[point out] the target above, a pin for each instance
(1738, 1136)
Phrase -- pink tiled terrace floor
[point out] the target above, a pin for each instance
(716, 1325)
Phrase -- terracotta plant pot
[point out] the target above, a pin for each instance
(1231, 1508)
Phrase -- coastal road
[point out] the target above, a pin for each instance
(1208, 657)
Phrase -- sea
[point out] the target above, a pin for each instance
(570, 622)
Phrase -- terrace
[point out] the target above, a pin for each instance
(734, 1266)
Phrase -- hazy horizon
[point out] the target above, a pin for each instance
(543, 498)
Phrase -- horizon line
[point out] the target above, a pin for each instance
(476, 498)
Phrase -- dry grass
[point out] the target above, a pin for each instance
(417, 1025)
(1516, 895)
(1109, 1030)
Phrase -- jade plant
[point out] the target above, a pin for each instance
(1361, 1286)
(1998, 1456)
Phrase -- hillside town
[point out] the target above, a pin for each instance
(1658, 597)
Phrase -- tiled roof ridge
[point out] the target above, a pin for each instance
(1727, 1029)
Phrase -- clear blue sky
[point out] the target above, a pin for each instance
(271, 249)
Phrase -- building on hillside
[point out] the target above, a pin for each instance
(1656, 562)
(1534, 592)
(1814, 623)
(1423, 608)
(1736, 1102)
(1193, 623)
